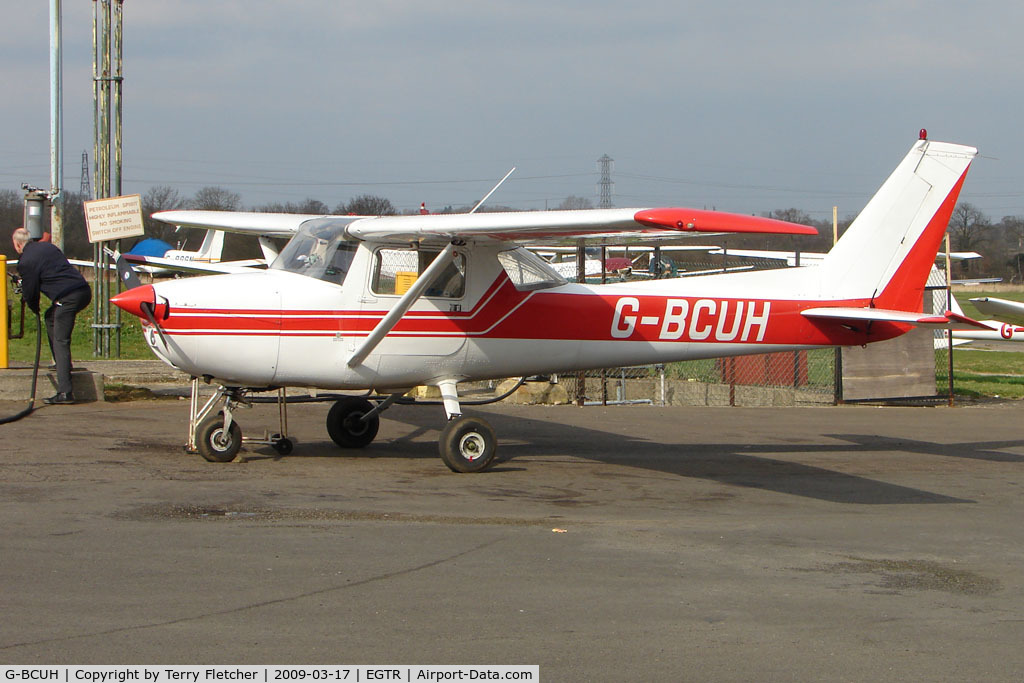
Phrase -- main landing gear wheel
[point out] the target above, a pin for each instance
(345, 423)
(215, 443)
(468, 444)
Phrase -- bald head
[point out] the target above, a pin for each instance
(20, 237)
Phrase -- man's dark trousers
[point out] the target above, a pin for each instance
(60, 321)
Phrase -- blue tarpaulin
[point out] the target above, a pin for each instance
(150, 247)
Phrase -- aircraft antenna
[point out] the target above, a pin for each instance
(605, 185)
(481, 202)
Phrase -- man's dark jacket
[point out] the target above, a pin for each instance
(44, 268)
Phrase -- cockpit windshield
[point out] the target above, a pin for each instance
(320, 249)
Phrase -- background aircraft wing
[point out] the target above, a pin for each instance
(199, 267)
(1001, 309)
(245, 222)
(534, 226)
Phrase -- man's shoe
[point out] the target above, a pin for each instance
(60, 399)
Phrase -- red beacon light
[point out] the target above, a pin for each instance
(923, 134)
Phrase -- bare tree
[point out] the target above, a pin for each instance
(572, 202)
(216, 199)
(367, 205)
(792, 215)
(11, 216)
(76, 236)
(308, 206)
(967, 227)
(160, 198)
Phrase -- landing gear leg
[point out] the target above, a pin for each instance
(217, 437)
(467, 444)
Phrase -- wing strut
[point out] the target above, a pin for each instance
(388, 322)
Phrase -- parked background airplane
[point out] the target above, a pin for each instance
(335, 312)
(206, 259)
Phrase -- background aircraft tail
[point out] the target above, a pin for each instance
(886, 253)
(212, 247)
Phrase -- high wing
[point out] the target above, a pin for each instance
(510, 226)
(1001, 309)
(533, 226)
(245, 222)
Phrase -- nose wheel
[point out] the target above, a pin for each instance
(215, 434)
(217, 441)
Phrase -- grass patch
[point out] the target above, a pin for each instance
(133, 346)
(985, 373)
(988, 362)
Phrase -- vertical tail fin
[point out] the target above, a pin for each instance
(887, 252)
(212, 246)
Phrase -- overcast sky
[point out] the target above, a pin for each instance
(738, 105)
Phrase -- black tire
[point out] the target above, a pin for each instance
(214, 444)
(468, 444)
(283, 446)
(345, 426)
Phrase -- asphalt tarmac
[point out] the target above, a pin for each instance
(608, 544)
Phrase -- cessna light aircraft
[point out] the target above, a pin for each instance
(383, 304)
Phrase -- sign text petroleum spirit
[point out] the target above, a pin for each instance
(692, 320)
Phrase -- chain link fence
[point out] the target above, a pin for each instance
(773, 379)
(790, 378)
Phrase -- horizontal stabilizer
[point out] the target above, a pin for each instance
(949, 319)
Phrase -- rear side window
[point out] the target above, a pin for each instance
(395, 270)
(529, 271)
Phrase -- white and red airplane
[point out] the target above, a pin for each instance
(1008, 324)
(384, 304)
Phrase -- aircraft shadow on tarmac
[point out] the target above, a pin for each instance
(733, 464)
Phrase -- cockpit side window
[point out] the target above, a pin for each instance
(395, 270)
(320, 250)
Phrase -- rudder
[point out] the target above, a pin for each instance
(887, 252)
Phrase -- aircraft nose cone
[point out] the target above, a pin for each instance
(130, 300)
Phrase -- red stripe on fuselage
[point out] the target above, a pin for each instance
(505, 313)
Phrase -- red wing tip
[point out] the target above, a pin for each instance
(701, 220)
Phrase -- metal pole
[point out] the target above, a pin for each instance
(581, 269)
(837, 389)
(949, 307)
(604, 371)
(117, 57)
(96, 250)
(117, 80)
(56, 128)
